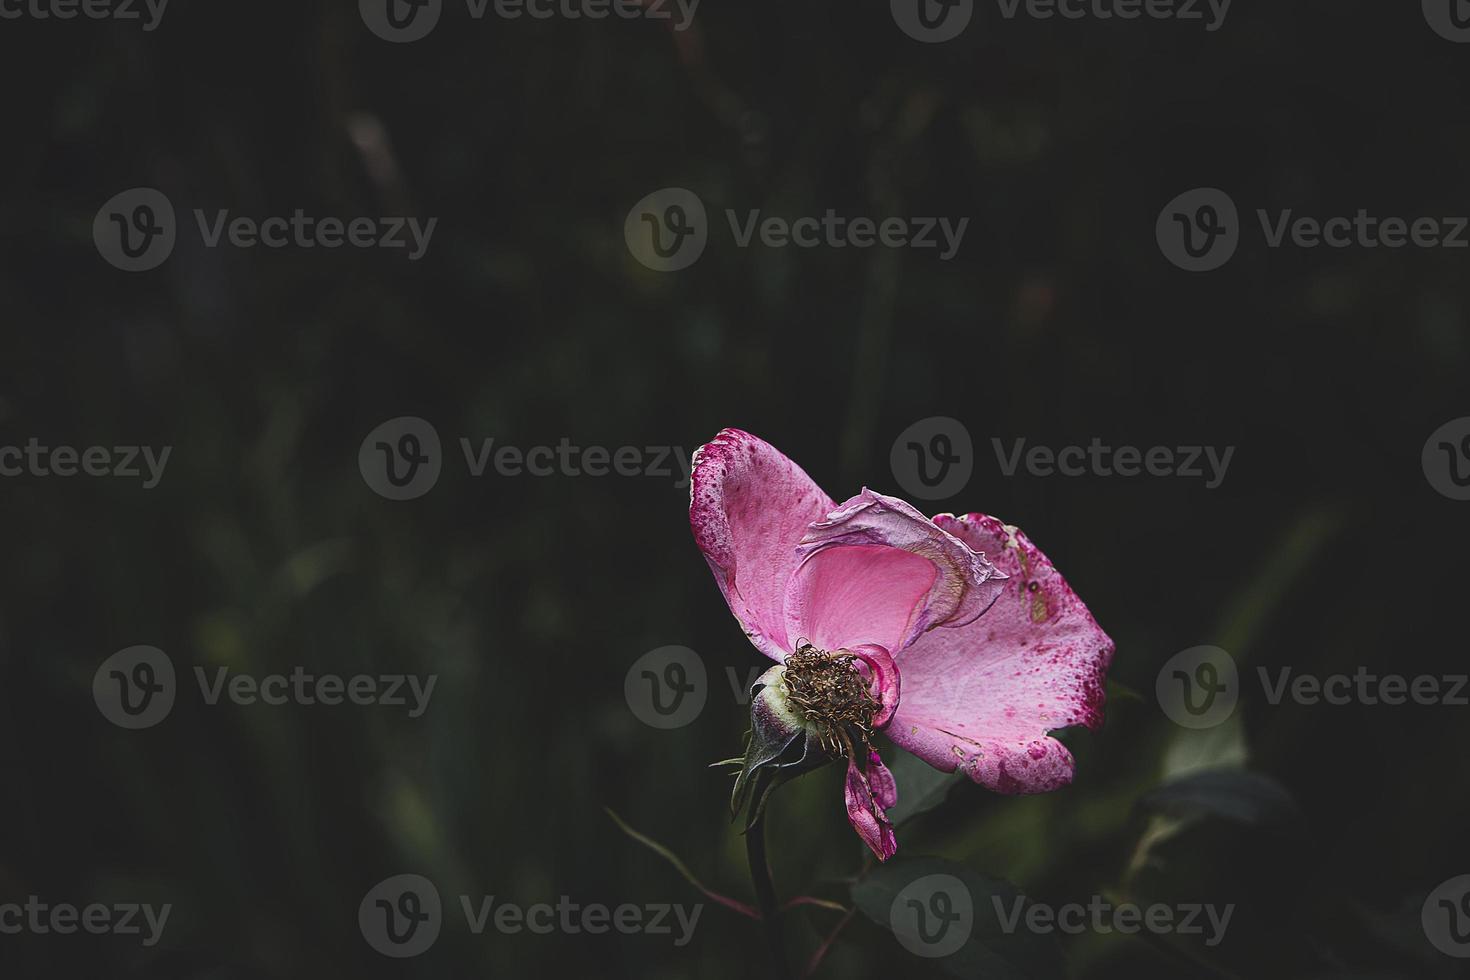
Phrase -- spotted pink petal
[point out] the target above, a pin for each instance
(865, 807)
(875, 570)
(984, 698)
(749, 507)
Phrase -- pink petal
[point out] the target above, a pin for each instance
(749, 507)
(883, 676)
(865, 815)
(984, 698)
(875, 570)
(885, 787)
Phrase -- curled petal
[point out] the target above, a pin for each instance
(884, 677)
(866, 815)
(985, 698)
(875, 570)
(749, 507)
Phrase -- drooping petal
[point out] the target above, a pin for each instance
(875, 570)
(984, 698)
(866, 815)
(749, 507)
(885, 787)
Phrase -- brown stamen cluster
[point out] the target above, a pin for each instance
(830, 692)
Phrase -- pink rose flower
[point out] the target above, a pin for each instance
(954, 636)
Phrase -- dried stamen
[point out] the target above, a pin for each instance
(833, 696)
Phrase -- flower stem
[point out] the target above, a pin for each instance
(765, 894)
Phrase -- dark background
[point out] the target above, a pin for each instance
(528, 321)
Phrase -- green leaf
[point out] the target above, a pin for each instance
(1237, 795)
(967, 924)
(921, 787)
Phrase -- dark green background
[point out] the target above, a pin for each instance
(528, 321)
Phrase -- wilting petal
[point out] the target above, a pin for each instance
(984, 698)
(884, 678)
(749, 507)
(865, 814)
(884, 786)
(875, 570)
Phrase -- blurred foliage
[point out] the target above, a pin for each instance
(262, 548)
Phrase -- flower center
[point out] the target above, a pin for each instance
(833, 696)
